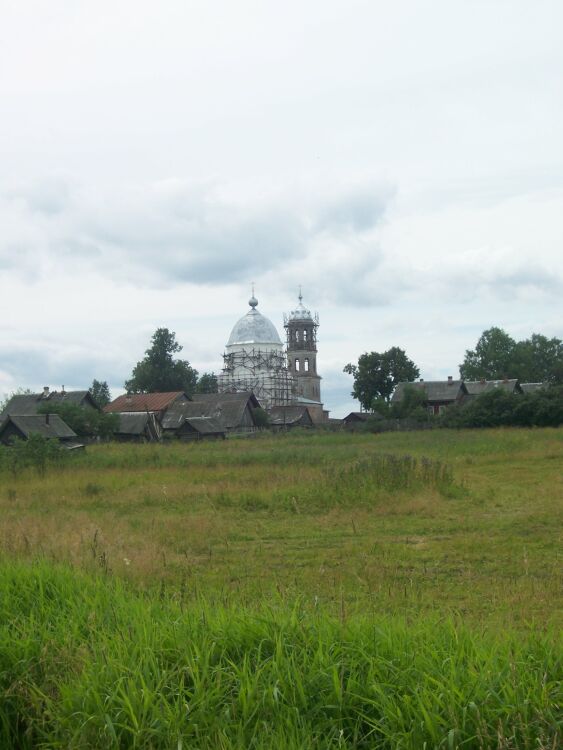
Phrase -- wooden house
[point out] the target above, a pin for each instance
(137, 427)
(51, 426)
(153, 403)
(288, 417)
(439, 394)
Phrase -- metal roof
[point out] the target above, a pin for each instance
(476, 387)
(436, 390)
(145, 401)
(46, 425)
(254, 328)
(532, 387)
(287, 415)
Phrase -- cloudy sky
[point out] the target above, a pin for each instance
(402, 161)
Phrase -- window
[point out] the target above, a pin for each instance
(304, 335)
(296, 365)
(307, 365)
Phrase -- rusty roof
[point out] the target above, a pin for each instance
(145, 401)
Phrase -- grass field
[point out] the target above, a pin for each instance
(326, 590)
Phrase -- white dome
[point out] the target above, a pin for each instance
(254, 328)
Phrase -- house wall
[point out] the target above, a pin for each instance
(9, 433)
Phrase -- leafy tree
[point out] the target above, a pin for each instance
(84, 421)
(492, 357)
(207, 383)
(412, 405)
(261, 417)
(159, 371)
(99, 390)
(539, 360)
(497, 355)
(377, 374)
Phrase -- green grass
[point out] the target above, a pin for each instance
(308, 590)
(86, 663)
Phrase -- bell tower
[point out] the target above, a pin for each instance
(301, 330)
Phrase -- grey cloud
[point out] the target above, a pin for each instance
(163, 234)
(357, 210)
(49, 196)
(506, 284)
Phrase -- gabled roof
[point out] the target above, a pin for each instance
(141, 424)
(288, 415)
(145, 401)
(206, 425)
(132, 423)
(28, 404)
(357, 416)
(531, 387)
(228, 408)
(436, 390)
(475, 388)
(46, 425)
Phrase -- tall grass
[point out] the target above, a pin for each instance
(86, 663)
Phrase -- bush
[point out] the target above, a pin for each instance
(37, 452)
(85, 422)
(497, 408)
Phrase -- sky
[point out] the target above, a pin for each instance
(403, 162)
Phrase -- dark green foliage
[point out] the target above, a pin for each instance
(261, 417)
(207, 383)
(497, 355)
(84, 663)
(498, 408)
(159, 371)
(99, 390)
(85, 422)
(377, 374)
(36, 453)
(412, 405)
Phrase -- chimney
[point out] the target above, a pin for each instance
(62, 390)
(128, 399)
(45, 391)
(450, 380)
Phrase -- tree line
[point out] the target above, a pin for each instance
(496, 356)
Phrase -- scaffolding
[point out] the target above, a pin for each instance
(264, 372)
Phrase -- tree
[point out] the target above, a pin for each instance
(207, 383)
(159, 371)
(377, 374)
(99, 390)
(85, 422)
(539, 360)
(497, 355)
(492, 357)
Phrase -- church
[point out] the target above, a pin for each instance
(255, 360)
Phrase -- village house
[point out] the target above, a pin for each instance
(233, 411)
(49, 426)
(477, 387)
(30, 404)
(439, 394)
(288, 417)
(153, 403)
(137, 427)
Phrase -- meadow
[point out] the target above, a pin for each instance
(301, 590)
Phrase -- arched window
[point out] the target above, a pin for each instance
(307, 364)
(304, 335)
(297, 365)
